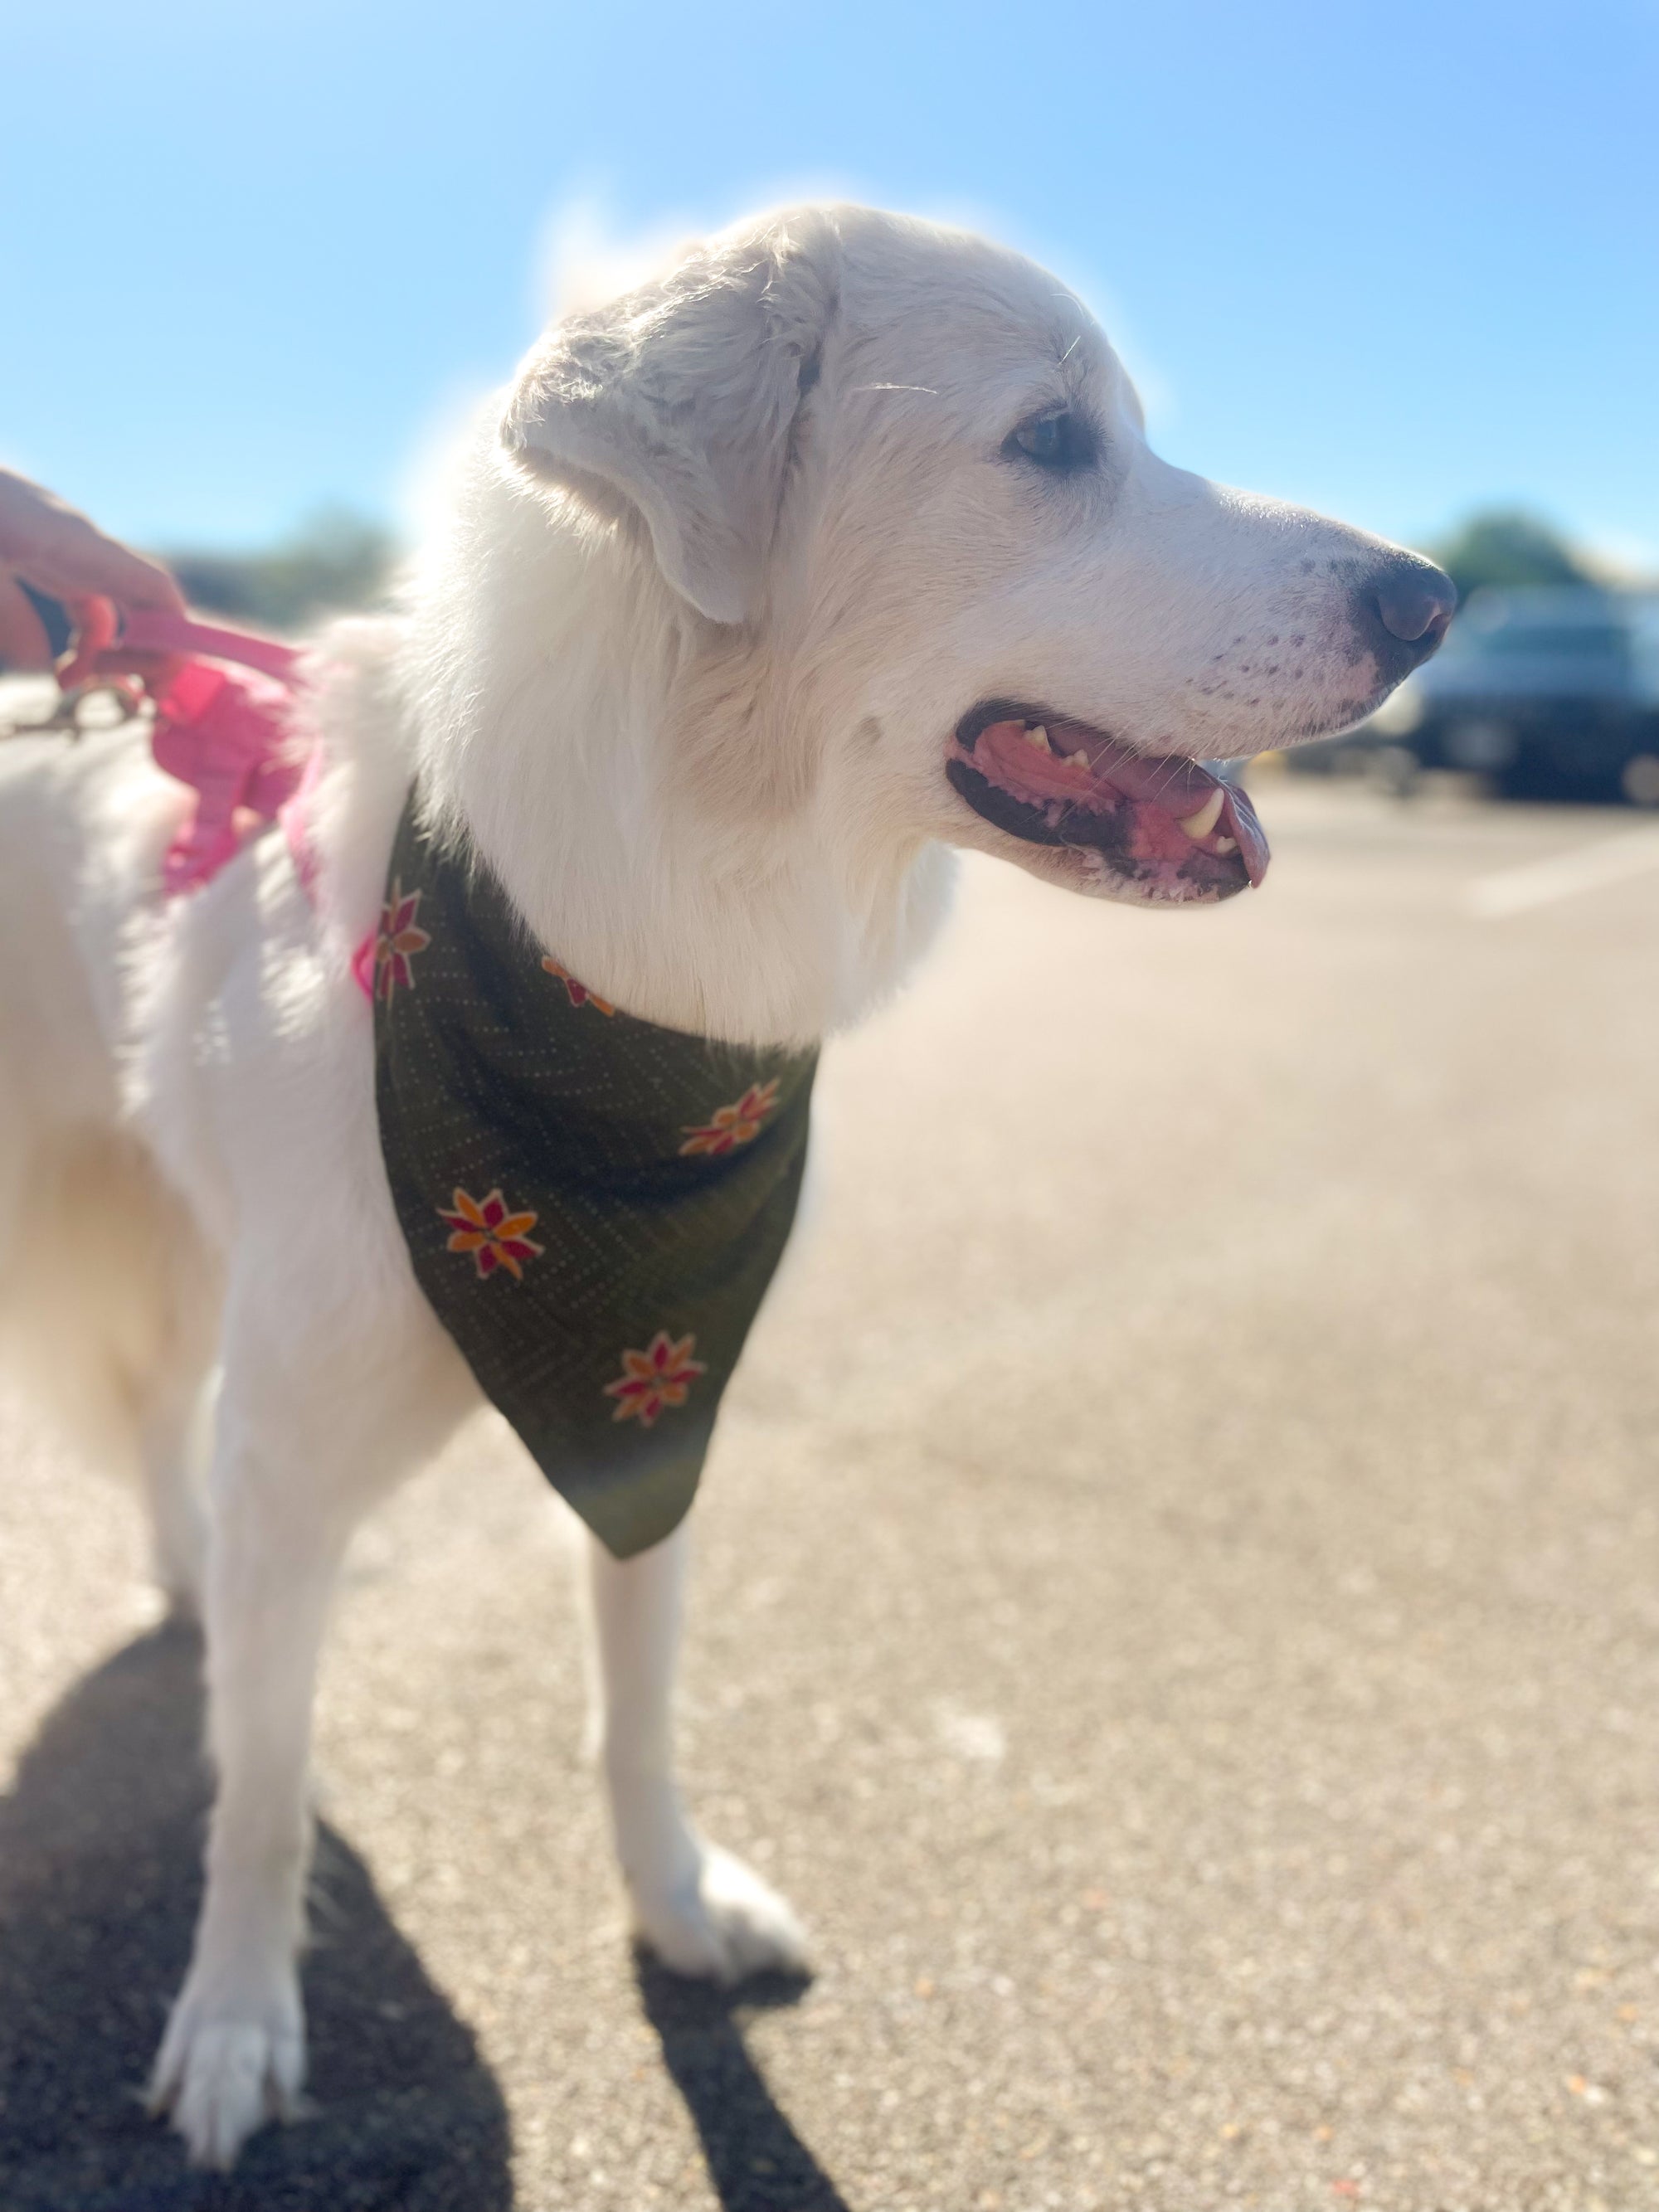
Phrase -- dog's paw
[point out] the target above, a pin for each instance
(223, 2071)
(723, 1924)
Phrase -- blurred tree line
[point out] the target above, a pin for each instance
(339, 562)
(1507, 546)
(336, 562)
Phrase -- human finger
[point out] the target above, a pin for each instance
(25, 648)
(87, 565)
(61, 552)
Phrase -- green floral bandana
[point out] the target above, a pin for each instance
(594, 1206)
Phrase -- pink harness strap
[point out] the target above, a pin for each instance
(226, 724)
(153, 631)
(229, 724)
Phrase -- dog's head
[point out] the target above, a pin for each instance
(900, 482)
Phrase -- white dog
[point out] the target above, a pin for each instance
(838, 546)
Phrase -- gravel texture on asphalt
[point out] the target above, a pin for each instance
(1176, 1609)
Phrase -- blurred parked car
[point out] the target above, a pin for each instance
(1550, 690)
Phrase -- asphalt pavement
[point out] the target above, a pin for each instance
(1177, 1608)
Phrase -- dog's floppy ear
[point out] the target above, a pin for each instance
(679, 400)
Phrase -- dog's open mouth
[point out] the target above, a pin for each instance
(1164, 825)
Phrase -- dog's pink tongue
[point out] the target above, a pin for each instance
(1179, 786)
(1239, 817)
(1101, 774)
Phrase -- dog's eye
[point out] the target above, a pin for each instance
(1056, 439)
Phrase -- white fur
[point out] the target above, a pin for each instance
(719, 578)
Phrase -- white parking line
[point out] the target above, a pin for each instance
(1585, 868)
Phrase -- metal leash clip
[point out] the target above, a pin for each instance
(70, 718)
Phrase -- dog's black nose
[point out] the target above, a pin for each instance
(1404, 610)
(1414, 602)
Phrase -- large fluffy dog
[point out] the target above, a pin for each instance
(837, 546)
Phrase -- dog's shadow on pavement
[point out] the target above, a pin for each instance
(756, 2161)
(99, 1876)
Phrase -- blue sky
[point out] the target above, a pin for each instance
(1395, 261)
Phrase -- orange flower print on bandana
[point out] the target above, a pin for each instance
(580, 994)
(731, 1126)
(494, 1236)
(397, 941)
(654, 1379)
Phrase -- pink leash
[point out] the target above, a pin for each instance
(229, 724)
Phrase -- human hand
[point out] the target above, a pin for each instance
(58, 552)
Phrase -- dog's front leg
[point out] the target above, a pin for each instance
(701, 1910)
(233, 2054)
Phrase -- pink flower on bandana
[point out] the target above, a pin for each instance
(728, 1126)
(495, 1238)
(654, 1379)
(580, 994)
(397, 941)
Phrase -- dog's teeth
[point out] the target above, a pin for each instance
(1201, 823)
(1039, 738)
(1226, 844)
(1079, 759)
